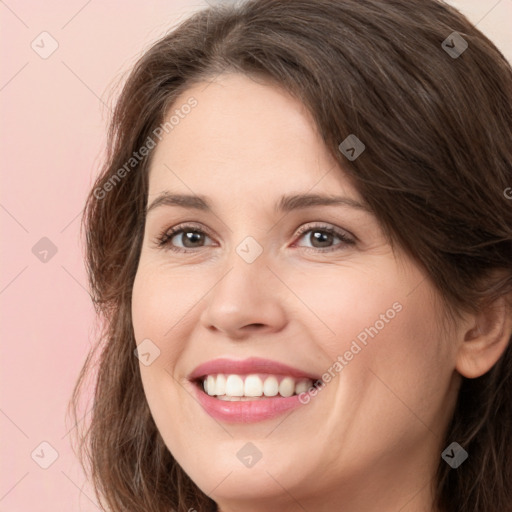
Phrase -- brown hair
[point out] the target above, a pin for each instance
(438, 158)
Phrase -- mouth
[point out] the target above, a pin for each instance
(235, 387)
(250, 390)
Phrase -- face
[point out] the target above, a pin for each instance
(260, 297)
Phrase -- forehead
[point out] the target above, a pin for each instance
(244, 136)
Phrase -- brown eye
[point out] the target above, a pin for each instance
(322, 237)
(189, 239)
(182, 238)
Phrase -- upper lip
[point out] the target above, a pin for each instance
(248, 366)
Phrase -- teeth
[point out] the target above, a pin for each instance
(250, 387)
(270, 386)
(253, 386)
(287, 387)
(234, 385)
(210, 385)
(220, 385)
(302, 386)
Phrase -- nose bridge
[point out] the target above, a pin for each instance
(246, 293)
(248, 244)
(247, 273)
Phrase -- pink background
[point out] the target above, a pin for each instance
(55, 112)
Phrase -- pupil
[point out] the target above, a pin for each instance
(191, 238)
(322, 237)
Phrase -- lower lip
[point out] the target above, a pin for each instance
(249, 411)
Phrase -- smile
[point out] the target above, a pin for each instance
(250, 390)
(246, 387)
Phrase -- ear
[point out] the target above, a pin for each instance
(487, 338)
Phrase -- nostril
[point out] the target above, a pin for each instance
(255, 326)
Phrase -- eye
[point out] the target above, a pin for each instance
(321, 237)
(189, 235)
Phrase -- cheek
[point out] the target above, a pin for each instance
(161, 304)
(383, 330)
(344, 303)
(158, 317)
(400, 376)
(157, 308)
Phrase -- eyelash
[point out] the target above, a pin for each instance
(163, 240)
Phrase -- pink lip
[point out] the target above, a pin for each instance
(251, 410)
(248, 366)
(246, 412)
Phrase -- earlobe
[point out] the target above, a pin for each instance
(483, 344)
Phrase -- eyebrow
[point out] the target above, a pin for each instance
(285, 203)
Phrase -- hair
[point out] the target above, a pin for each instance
(438, 158)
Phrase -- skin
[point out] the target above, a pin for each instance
(372, 438)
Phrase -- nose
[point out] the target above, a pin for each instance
(247, 298)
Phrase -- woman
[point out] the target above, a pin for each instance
(301, 246)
